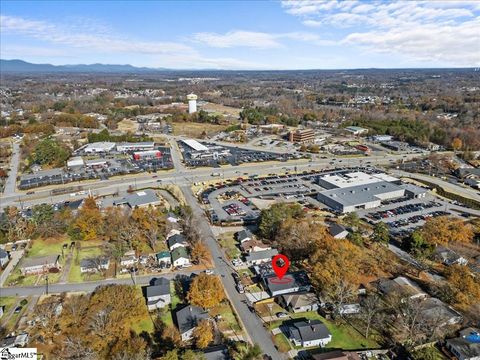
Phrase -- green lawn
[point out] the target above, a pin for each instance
(143, 324)
(7, 303)
(228, 242)
(429, 352)
(344, 336)
(75, 275)
(41, 247)
(228, 321)
(17, 279)
(283, 344)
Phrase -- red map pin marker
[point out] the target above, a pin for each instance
(280, 270)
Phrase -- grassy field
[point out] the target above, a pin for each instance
(195, 130)
(7, 303)
(75, 275)
(343, 335)
(16, 278)
(228, 242)
(50, 246)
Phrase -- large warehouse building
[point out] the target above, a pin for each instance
(98, 147)
(350, 191)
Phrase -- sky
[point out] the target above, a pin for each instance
(291, 34)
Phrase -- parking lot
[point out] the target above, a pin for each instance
(217, 155)
(102, 169)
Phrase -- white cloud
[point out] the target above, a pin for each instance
(84, 37)
(238, 38)
(433, 31)
(257, 40)
(76, 37)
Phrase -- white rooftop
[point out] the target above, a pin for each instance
(195, 145)
(355, 178)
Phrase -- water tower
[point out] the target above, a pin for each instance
(192, 103)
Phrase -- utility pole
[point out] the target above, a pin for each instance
(46, 284)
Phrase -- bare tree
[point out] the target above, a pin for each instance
(100, 322)
(371, 312)
(75, 349)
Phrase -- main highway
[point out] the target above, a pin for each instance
(181, 176)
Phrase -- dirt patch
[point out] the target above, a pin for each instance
(128, 125)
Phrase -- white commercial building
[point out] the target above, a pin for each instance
(98, 147)
(75, 162)
(146, 145)
(365, 196)
(195, 145)
(192, 103)
(348, 179)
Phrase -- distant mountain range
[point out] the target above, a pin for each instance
(26, 67)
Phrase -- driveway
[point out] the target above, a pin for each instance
(15, 257)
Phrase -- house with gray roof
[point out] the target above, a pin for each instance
(188, 318)
(437, 313)
(309, 333)
(176, 241)
(466, 346)
(338, 231)
(292, 282)
(448, 257)
(39, 264)
(244, 235)
(143, 198)
(158, 294)
(299, 302)
(218, 352)
(4, 258)
(258, 257)
(92, 265)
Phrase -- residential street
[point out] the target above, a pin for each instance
(12, 174)
(252, 324)
(87, 286)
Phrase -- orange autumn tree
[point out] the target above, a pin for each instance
(334, 262)
(206, 291)
(203, 334)
(444, 230)
(88, 224)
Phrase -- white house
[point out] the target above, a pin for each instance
(309, 333)
(180, 257)
(158, 294)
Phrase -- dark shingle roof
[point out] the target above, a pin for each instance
(176, 239)
(189, 317)
(309, 330)
(160, 286)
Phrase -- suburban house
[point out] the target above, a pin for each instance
(400, 286)
(434, 311)
(299, 302)
(172, 218)
(466, 346)
(309, 333)
(253, 246)
(173, 232)
(180, 257)
(291, 283)
(4, 258)
(338, 231)
(448, 257)
(14, 341)
(244, 235)
(336, 355)
(218, 352)
(39, 264)
(92, 265)
(188, 318)
(163, 257)
(128, 260)
(176, 241)
(258, 257)
(158, 294)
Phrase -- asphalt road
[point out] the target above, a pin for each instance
(184, 177)
(12, 174)
(252, 324)
(87, 286)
